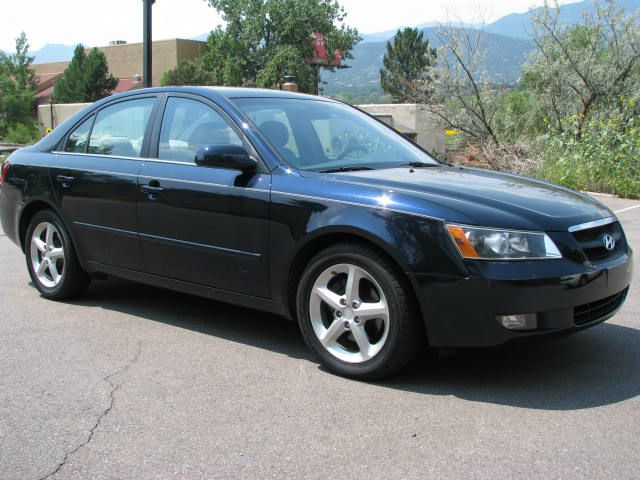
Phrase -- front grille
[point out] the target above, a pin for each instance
(590, 312)
(592, 244)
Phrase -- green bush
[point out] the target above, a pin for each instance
(23, 134)
(604, 156)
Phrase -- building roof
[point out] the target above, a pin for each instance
(128, 84)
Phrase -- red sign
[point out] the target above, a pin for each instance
(320, 54)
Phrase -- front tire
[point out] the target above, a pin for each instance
(357, 313)
(51, 258)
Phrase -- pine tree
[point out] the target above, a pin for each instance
(99, 83)
(86, 79)
(405, 63)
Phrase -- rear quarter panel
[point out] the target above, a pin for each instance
(27, 182)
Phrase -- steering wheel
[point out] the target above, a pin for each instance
(351, 149)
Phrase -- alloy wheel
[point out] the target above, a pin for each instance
(349, 313)
(47, 254)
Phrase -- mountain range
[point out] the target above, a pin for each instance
(507, 42)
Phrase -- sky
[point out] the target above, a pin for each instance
(95, 23)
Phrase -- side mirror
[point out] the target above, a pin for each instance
(225, 156)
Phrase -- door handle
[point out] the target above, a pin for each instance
(65, 180)
(152, 189)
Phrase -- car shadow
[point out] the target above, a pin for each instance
(597, 367)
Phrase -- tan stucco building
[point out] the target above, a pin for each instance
(125, 60)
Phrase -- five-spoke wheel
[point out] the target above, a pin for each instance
(47, 254)
(357, 313)
(349, 313)
(51, 258)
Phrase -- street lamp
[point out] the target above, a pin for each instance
(147, 42)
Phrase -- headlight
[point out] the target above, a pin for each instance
(494, 244)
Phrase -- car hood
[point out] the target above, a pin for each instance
(484, 197)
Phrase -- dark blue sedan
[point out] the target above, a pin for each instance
(308, 208)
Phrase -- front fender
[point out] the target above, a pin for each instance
(303, 222)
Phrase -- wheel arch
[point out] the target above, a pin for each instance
(327, 238)
(28, 212)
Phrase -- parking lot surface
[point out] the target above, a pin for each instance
(134, 382)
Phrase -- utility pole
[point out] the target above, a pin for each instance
(147, 42)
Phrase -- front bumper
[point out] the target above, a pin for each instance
(566, 296)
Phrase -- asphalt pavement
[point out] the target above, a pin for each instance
(135, 382)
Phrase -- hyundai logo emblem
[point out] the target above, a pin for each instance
(608, 241)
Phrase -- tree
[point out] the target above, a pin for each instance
(98, 81)
(69, 88)
(459, 95)
(20, 63)
(586, 69)
(17, 90)
(86, 79)
(264, 40)
(408, 59)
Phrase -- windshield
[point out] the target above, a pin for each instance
(325, 136)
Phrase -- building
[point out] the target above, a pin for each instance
(415, 122)
(125, 63)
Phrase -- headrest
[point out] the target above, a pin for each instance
(209, 133)
(276, 133)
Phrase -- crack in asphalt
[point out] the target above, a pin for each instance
(114, 389)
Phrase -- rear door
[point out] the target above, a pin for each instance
(202, 224)
(95, 177)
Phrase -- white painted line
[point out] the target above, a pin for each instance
(627, 209)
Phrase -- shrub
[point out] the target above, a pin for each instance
(22, 133)
(516, 158)
(602, 156)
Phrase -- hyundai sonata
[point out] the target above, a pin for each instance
(311, 209)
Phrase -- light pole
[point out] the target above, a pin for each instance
(147, 42)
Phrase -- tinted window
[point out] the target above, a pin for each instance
(188, 125)
(318, 135)
(274, 124)
(119, 129)
(79, 138)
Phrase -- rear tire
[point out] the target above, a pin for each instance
(357, 312)
(51, 258)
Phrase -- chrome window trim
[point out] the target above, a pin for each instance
(120, 157)
(207, 184)
(593, 224)
(173, 162)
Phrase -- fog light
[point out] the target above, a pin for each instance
(526, 321)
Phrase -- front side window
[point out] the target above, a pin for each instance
(119, 129)
(189, 125)
(318, 135)
(79, 138)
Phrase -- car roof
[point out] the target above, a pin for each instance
(213, 93)
(226, 92)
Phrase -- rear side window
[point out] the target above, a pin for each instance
(188, 125)
(119, 129)
(79, 138)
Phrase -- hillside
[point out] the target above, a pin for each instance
(518, 25)
(504, 60)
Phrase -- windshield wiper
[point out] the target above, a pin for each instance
(351, 168)
(419, 165)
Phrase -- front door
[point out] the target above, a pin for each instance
(201, 224)
(95, 177)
